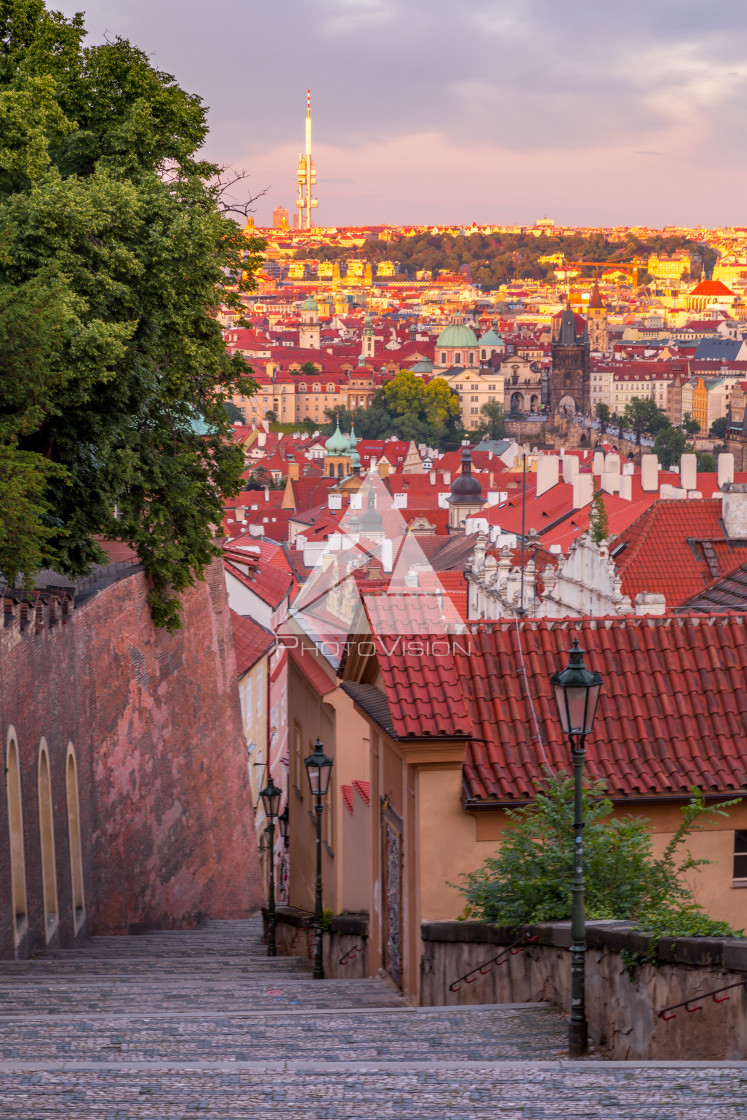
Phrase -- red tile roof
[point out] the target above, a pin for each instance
(304, 658)
(664, 550)
(347, 797)
(364, 789)
(250, 642)
(671, 715)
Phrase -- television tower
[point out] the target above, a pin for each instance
(306, 175)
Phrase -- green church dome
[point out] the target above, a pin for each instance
(456, 336)
(310, 304)
(337, 444)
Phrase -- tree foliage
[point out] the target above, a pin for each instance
(497, 258)
(690, 425)
(642, 414)
(495, 416)
(719, 427)
(669, 446)
(529, 880)
(405, 407)
(598, 519)
(115, 250)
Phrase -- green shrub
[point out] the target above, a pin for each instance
(529, 880)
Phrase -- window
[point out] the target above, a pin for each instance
(73, 829)
(297, 771)
(471, 359)
(740, 855)
(46, 834)
(483, 354)
(443, 359)
(474, 411)
(457, 359)
(15, 825)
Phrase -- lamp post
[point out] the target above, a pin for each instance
(576, 695)
(271, 795)
(318, 770)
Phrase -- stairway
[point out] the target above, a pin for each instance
(203, 1024)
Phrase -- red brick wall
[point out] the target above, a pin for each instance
(166, 816)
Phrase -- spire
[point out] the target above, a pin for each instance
(596, 303)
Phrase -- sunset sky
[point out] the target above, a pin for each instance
(489, 111)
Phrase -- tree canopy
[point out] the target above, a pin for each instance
(408, 408)
(115, 253)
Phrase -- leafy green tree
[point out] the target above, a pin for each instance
(690, 426)
(307, 368)
(441, 408)
(669, 445)
(271, 416)
(405, 393)
(719, 427)
(707, 462)
(496, 419)
(530, 878)
(598, 519)
(643, 415)
(233, 413)
(603, 415)
(115, 251)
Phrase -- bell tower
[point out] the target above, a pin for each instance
(570, 379)
(597, 322)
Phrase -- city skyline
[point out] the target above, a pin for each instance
(432, 114)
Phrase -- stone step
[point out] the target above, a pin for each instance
(355, 1035)
(424, 1091)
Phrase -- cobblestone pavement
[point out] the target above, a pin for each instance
(173, 1026)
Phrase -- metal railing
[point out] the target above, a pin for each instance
(500, 958)
(713, 994)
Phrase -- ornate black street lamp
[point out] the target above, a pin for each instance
(283, 823)
(319, 771)
(271, 796)
(577, 694)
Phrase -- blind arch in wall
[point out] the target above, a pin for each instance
(15, 829)
(73, 828)
(46, 836)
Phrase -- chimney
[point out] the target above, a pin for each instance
(610, 482)
(446, 475)
(570, 468)
(626, 487)
(547, 473)
(597, 466)
(583, 490)
(432, 475)
(725, 469)
(267, 493)
(240, 513)
(612, 464)
(734, 511)
(650, 473)
(689, 472)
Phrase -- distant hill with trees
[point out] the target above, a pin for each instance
(499, 258)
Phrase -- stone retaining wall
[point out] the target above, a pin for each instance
(623, 997)
(347, 936)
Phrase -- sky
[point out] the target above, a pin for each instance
(441, 111)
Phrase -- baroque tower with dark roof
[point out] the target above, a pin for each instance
(570, 381)
(597, 322)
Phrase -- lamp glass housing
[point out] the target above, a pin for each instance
(319, 770)
(283, 823)
(271, 796)
(577, 692)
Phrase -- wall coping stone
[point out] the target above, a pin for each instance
(355, 925)
(614, 936)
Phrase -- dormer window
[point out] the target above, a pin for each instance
(302, 387)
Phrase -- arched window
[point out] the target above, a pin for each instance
(457, 359)
(46, 834)
(485, 353)
(73, 829)
(443, 359)
(472, 359)
(15, 825)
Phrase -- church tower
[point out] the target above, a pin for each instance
(570, 379)
(465, 499)
(597, 322)
(309, 334)
(368, 341)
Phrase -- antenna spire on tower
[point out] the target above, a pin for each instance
(306, 175)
